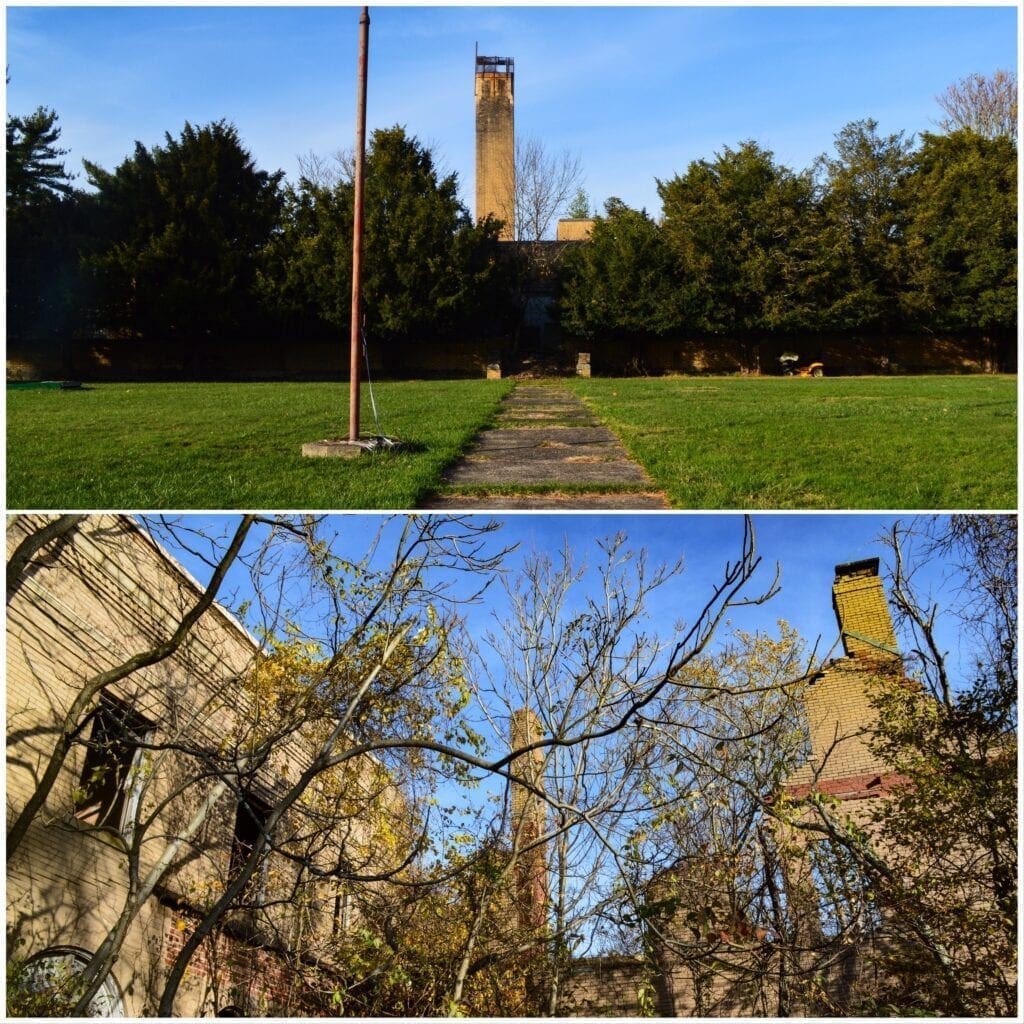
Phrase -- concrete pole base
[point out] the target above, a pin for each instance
(343, 448)
(338, 448)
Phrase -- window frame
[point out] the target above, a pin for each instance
(118, 745)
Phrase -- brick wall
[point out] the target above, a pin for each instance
(838, 708)
(529, 820)
(85, 605)
(227, 971)
(605, 987)
(858, 599)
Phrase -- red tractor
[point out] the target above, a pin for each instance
(789, 360)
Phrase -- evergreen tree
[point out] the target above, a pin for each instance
(44, 233)
(427, 269)
(962, 235)
(35, 172)
(579, 208)
(183, 228)
(621, 282)
(861, 240)
(742, 230)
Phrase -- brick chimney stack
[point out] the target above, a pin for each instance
(494, 88)
(529, 821)
(838, 704)
(862, 611)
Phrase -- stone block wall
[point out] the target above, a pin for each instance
(258, 359)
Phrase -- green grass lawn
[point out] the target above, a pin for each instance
(845, 442)
(232, 446)
(893, 443)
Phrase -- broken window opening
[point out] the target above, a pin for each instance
(113, 776)
(250, 833)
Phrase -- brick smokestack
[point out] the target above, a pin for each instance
(529, 821)
(495, 141)
(862, 611)
(839, 703)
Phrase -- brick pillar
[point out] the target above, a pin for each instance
(529, 820)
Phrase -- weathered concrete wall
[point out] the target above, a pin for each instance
(256, 359)
(842, 356)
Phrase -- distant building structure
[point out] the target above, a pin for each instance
(529, 820)
(840, 721)
(574, 229)
(495, 141)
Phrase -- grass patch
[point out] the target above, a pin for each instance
(233, 446)
(850, 442)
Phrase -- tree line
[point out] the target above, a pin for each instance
(190, 243)
(880, 238)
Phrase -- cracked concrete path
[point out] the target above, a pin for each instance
(545, 436)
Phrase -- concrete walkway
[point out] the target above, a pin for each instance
(545, 436)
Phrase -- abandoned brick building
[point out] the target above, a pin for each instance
(84, 605)
(839, 717)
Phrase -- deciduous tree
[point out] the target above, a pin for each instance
(984, 104)
(544, 185)
(436, 731)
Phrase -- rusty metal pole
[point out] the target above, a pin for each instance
(357, 230)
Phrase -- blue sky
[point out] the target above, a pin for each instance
(636, 92)
(807, 547)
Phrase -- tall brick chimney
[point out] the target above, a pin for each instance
(862, 611)
(838, 703)
(529, 821)
(495, 141)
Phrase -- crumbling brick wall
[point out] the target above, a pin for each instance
(606, 987)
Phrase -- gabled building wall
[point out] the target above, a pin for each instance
(89, 602)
